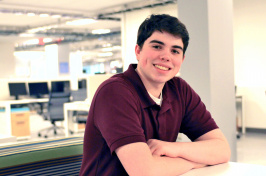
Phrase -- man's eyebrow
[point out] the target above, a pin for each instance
(161, 43)
(157, 41)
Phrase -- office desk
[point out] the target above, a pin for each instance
(73, 106)
(6, 104)
(229, 169)
(7, 139)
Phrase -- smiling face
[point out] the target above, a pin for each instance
(159, 59)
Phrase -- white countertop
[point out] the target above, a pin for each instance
(229, 169)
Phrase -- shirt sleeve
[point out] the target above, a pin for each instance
(197, 119)
(116, 115)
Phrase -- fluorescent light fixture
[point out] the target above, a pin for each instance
(107, 49)
(56, 16)
(81, 22)
(26, 35)
(31, 42)
(116, 47)
(107, 44)
(31, 14)
(101, 31)
(34, 30)
(108, 54)
(18, 13)
(44, 15)
(47, 40)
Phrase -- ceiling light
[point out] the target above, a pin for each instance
(47, 40)
(44, 28)
(116, 47)
(44, 15)
(107, 49)
(101, 31)
(34, 30)
(108, 54)
(18, 13)
(56, 16)
(31, 14)
(81, 22)
(31, 42)
(107, 44)
(26, 35)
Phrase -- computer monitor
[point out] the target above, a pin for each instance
(17, 89)
(60, 86)
(82, 84)
(38, 89)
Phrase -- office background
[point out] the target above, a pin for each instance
(246, 70)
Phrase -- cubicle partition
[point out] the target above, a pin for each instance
(93, 82)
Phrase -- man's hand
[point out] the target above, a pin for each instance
(137, 160)
(173, 158)
(162, 148)
(209, 149)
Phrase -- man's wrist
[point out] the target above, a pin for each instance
(198, 165)
(178, 148)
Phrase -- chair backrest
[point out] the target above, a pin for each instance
(56, 105)
(79, 95)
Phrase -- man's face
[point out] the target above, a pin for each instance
(160, 58)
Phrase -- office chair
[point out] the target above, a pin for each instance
(79, 95)
(79, 117)
(55, 111)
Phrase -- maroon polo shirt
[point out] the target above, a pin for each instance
(122, 112)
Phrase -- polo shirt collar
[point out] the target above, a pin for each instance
(169, 95)
(146, 100)
(134, 78)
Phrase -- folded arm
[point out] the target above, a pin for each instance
(210, 149)
(138, 160)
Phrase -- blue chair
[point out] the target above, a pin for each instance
(55, 111)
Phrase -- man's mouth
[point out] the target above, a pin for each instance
(161, 67)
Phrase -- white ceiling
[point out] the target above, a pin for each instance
(11, 24)
(82, 8)
(87, 8)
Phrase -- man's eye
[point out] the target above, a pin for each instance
(156, 46)
(175, 51)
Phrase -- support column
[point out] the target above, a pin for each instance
(63, 59)
(8, 65)
(57, 60)
(51, 54)
(75, 68)
(209, 62)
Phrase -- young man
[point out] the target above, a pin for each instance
(135, 116)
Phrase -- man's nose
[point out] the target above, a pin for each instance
(165, 59)
(165, 56)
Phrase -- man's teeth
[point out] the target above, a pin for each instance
(161, 67)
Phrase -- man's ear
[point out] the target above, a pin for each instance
(137, 51)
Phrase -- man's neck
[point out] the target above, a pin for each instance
(155, 92)
(154, 89)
